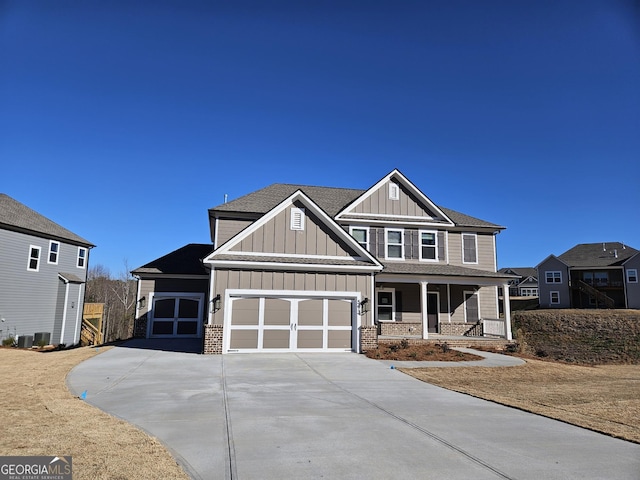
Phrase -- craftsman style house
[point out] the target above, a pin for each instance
(307, 268)
(43, 270)
(591, 275)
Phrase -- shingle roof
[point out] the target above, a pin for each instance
(438, 269)
(522, 271)
(598, 254)
(16, 216)
(183, 261)
(331, 200)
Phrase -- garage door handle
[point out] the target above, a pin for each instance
(294, 326)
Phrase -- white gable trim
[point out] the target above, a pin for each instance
(298, 195)
(305, 267)
(401, 179)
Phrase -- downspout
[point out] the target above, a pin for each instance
(64, 309)
(75, 332)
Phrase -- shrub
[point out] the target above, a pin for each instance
(8, 342)
(404, 343)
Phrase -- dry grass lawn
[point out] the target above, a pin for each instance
(603, 398)
(41, 417)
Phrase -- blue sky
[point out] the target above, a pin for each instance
(125, 121)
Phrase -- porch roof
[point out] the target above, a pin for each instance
(436, 269)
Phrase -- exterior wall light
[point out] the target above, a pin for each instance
(363, 306)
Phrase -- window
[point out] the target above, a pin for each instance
(602, 279)
(394, 191)
(54, 249)
(587, 277)
(386, 304)
(361, 235)
(528, 292)
(553, 277)
(428, 245)
(395, 247)
(82, 257)
(469, 244)
(297, 219)
(554, 297)
(632, 275)
(34, 258)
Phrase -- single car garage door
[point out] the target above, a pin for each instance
(176, 315)
(285, 324)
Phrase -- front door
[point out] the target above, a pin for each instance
(432, 311)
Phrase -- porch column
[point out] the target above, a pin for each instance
(423, 309)
(507, 310)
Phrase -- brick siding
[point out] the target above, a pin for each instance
(212, 340)
(368, 338)
(400, 329)
(140, 327)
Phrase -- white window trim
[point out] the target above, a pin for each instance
(553, 277)
(394, 191)
(51, 242)
(297, 218)
(366, 229)
(39, 259)
(84, 259)
(435, 232)
(386, 243)
(635, 274)
(393, 304)
(551, 302)
(475, 239)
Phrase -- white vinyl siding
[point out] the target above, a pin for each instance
(54, 251)
(33, 264)
(469, 248)
(553, 277)
(394, 244)
(82, 257)
(429, 245)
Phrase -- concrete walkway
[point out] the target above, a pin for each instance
(337, 416)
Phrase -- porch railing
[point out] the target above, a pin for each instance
(494, 327)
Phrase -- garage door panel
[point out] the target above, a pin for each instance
(187, 328)
(339, 339)
(310, 339)
(310, 312)
(276, 339)
(277, 311)
(243, 339)
(162, 327)
(245, 311)
(340, 313)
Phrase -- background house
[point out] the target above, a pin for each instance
(526, 283)
(312, 268)
(591, 275)
(43, 270)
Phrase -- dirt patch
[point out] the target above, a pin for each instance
(604, 398)
(41, 417)
(426, 352)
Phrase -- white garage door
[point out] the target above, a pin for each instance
(285, 324)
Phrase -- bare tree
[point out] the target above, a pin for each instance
(118, 296)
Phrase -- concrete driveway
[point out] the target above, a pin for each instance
(335, 416)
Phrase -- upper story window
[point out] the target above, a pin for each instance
(34, 258)
(632, 275)
(297, 219)
(394, 191)
(361, 235)
(394, 243)
(469, 248)
(553, 277)
(428, 245)
(82, 257)
(54, 251)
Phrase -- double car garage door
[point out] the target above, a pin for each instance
(264, 323)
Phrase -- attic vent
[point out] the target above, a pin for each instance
(297, 219)
(394, 191)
